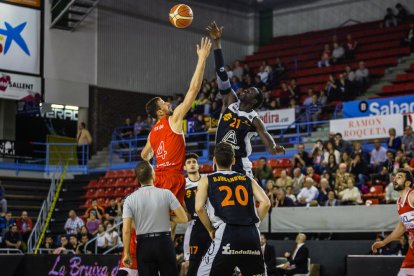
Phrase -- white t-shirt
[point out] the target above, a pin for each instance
(100, 241)
(110, 237)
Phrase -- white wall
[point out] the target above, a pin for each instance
(137, 44)
(70, 61)
(326, 14)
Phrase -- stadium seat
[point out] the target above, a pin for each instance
(206, 168)
(101, 201)
(255, 164)
(92, 184)
(120, 182)
(273, 163)
(128, 191)
(119, 192)
(99, 193)
(110, 174)
(109, 192)
(88, 203)
(89, 194)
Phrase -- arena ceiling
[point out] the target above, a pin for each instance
(255, 5)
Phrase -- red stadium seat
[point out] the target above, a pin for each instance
(206, 168)
(255, 164)
(120, 182)
(276, 172)
(109, 192)
(101, 201)
(89, 194)
(87, 204)
(119, 192)
(128, 191)
(92, 184)
(273, 163)
(99, 192)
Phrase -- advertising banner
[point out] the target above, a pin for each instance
(20, 87)
(376, 107)
(30, 3)
(19, 39)
(277, 119)
(363, 128)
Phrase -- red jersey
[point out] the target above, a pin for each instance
(132, 251)
(406, 212)
(168, 147)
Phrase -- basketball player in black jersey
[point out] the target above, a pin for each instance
(225, 204)
(196, 239)
(239, 122)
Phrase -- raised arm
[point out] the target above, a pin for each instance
(147, 153)
(266, 138)
(261, 197)
(228, 94)
(203, 50)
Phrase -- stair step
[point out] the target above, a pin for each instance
(26, 197)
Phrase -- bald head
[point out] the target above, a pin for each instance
(300, 238)
(342, 167)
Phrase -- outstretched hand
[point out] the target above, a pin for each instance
(280, 149)
(203, 49)
(215, 31)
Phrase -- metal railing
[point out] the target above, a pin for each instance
(10, 251)
(117, 226)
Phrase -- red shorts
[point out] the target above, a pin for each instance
(175, 182)
(408, 261)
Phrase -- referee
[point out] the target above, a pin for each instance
(150, 208)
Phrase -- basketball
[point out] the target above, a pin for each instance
(181, 16)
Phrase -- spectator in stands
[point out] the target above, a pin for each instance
(325, 57)
(332, 201)
(351, 46)
(111, 212)
(263, 172)
(294, 90)
(99, 211)
(390, 18)
(24, 225)
(73, 224)
(338, 53)
(263, 74)
(3, 201)
(269, 256)
(350, 75)
(199, 124)
(73, 243)
(331, 88)
(297, 260)
(282, 200)
(308, 193)
(179, 250)
(138, 125)
(378, 156)
(83, 140)
(235, 83)
(343, 90)
(401, 13)
(341, 178)
(127, 131)
(361, 78)
(328, 150)
(400, 159)
(215, 110)
(404, 245)
(323, 99)
(346, 158)
(310, 173)
(101, 241)
(359, 169)
(271, 191)
(49, 244)
(13, 239)
(315, 109)
(93, 223)
(308, 99)
(359, 150)
(84, 231)
(228, 70)
(289, 194)
(301, 158)
(279, 70)
(237, 70)
(113, 238)
(351, 195)
(323, 192)
(297, 108)
(284, 94)
(409, 38)
(389, 163)
(342, 145)
(391, 195)
(5, 223)
(332, 165)
(393, 142)
(407, 142)
(284, 180)
(146, 126)
(297, 181)
(81, 246)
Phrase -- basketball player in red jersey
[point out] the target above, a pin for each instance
(130, 268)
(403, 182)
(166, 139)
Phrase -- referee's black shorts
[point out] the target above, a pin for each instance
(234, 246)
(156, 253)
(196, 241)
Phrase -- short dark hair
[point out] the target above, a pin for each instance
(259, 98)
(144, 172)
(408, 176)
(224, 154)
(191, 155)
(73, 235)
(152, 107)
(338, 134)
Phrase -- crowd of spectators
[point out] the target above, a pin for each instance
(337, 172)
(14, 233)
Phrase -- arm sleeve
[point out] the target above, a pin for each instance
(223, 81)
(127, 210)
(174, 204)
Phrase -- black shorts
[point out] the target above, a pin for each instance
(234, 246)
(196, 241)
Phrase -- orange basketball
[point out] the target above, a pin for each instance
(181, 16)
